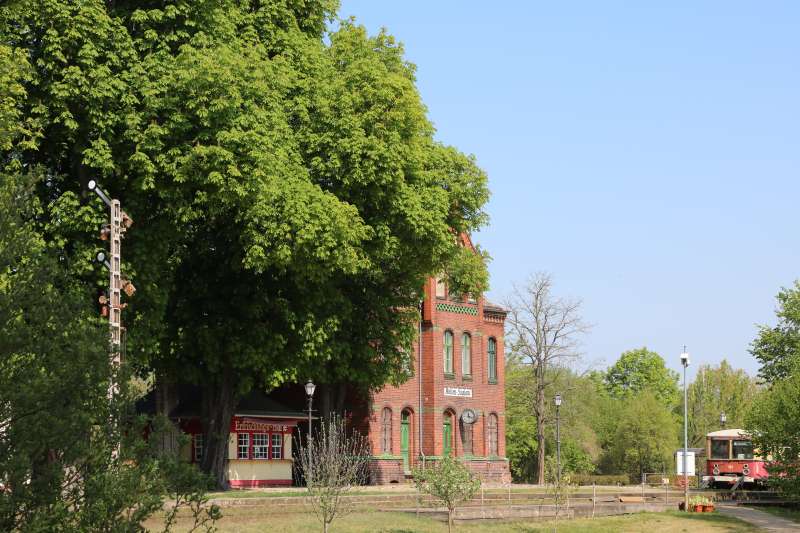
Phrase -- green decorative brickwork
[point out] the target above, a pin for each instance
(460, 309)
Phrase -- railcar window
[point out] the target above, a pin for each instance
(719, 449)
(742, 449)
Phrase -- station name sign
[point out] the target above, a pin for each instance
(458, 392)
(254, 424)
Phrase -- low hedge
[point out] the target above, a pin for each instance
(595, 479)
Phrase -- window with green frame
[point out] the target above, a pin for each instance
(448, 352)
(466, 355)
(492, 352)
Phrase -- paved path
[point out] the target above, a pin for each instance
(758, 518)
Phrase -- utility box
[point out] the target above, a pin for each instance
(690, 469)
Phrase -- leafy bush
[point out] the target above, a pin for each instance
(449, 481)
(597, 479)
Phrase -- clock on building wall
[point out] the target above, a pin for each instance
(468, 416)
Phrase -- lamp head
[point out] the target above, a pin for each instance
(723, 418)
(310, 387)
(558, 400)
(100, 257)
(92, 185)
(685, 359)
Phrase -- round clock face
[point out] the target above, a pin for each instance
(469, 416)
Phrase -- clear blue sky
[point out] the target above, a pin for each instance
(647, 156)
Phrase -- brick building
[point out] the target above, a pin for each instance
(455, 403)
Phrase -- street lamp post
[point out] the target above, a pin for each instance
(685, 363)
(558, 439)
(722, 419)
(310, 393)
(310, 387)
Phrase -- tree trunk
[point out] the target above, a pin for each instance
(540, 457)
(166, 397)
(341, 392)
(450, 520)
(219, 404)
(325, 401)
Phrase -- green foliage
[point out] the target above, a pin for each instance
(774, 417)
(645, 438)
(718, 389)
(289, 197)
(71, 459)
(778, 347)
(582, 417)
(639, 370)
(600, 479)
(774, 422)
(449, 481)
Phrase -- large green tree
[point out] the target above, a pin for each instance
(642, 370)
(715, 390)
(584, 407)
(778, 347)
(774, 423)
(774, 417)
(71, 458)
(288, 194)
(645, 437)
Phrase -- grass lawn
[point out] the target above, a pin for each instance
(252, 520)
(789, 513)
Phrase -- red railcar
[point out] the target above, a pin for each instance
(731, 460)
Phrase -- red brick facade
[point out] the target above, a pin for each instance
(474, 390)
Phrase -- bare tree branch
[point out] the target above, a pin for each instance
(544, 333)
(332, 461)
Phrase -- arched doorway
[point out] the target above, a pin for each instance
(405, 440)
(447, 434)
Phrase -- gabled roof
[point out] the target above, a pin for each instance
(729, 433)
(493, 307)
(256, 403)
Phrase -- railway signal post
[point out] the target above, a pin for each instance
(119, 222)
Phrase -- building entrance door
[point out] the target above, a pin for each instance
(404, 436)
(447, 436)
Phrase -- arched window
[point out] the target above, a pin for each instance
(466, 438)
(491, 430)
(448, 352)
(492, 357)
(386, 430)
(466, 355)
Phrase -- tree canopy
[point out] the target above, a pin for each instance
(715, 390)
(639, 370)
(289, 195)
(774, 416)
(778, 347)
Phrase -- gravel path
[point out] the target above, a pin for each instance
(761, 519)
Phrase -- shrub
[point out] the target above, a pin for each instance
(449, 481)
(598, 479)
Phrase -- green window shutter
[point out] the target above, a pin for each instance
(492, 360)
(448, 352)
(466, 354)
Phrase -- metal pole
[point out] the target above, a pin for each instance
(558, 446)
(308, 441)
(685, 445)
(310, 399)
